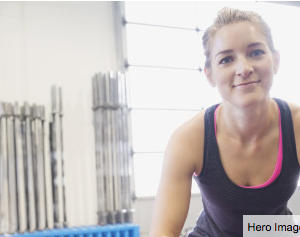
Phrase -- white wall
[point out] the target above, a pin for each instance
(61, 43)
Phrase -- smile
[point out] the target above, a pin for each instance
(246, 83)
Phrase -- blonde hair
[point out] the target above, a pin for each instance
(228, 16)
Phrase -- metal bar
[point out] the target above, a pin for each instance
(131, 191)
(167, 109)
(114, 148)
(60, 134)
(56, 162)
(20, 172)
(95, 121)
(109, 154)
(123, 172)
(127, 65)
(4, 197)
(97, 82)
(129, 156)
(162, 26)
(30, 189)
(120, 165)
(11, 169)
(126, 199)
(39, 168)
(47, 168)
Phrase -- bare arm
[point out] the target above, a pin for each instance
(174, 192)
(295, 109)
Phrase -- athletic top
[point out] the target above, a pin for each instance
(279, 156)
(224, 202)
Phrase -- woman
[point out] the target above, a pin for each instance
(244, 153)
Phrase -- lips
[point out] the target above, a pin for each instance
(246, 83)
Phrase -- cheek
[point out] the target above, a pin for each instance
(223, 77)
(266, 74)
(267, 69)
(223, 82)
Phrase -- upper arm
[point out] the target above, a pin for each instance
(295, 109)
(173, 196)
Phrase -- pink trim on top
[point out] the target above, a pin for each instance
(279, 157)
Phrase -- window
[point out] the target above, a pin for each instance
(167, 85)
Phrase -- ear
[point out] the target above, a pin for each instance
(207, 72)
(276, 61)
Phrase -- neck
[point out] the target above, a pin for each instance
(247, 124)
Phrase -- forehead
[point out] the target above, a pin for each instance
(237, 36)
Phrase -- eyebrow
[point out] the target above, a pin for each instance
(227, 51)
(255, 44)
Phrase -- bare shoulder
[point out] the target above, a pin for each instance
(295, 110)
(190, 129)
(186, 143)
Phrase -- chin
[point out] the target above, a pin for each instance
(248, 101)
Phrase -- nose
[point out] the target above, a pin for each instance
(243, 67)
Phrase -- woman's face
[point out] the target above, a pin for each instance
(242, 65)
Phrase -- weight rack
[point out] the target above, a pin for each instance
(29, 178)
(113, 148)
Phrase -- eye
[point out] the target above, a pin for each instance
(256, 53)
(226, 60)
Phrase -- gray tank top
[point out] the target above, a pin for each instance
(225, 203)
